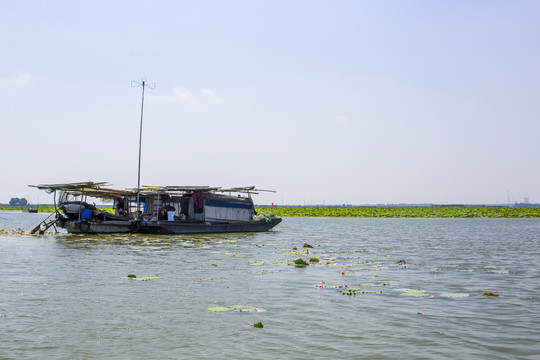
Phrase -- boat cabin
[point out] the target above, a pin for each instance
(198, 205)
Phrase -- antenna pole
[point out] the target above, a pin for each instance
(140, 143)
(152, 86)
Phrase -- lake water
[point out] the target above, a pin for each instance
(67, 296)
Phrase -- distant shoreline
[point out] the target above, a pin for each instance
(406, 212)
(373, 212)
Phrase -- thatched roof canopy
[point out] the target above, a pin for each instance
(89, 188)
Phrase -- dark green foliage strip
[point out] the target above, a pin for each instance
(375, 212)
(47, 208)
(405, 212)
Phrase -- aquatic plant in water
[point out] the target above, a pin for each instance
(239, 308)
(354, 291)
(300, 263)
(143, 278)
(413, 292)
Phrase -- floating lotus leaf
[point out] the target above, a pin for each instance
(454, 295)
(153, 248)
(354, 291)
(389, 283)
(255, 262)
(300, 263)
(219, 309)
(280, 262)
(239, 308)
(416, 293)
(260, 272)
(143, 278)
(258, 325)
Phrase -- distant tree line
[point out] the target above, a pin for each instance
(18, 202)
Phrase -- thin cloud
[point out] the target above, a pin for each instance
(178, 95)
(341, 119)
(21, 79)
(181, 95)
(210, 95)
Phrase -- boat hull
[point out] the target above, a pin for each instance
(166, 227)
(93, 227)
(178, 227)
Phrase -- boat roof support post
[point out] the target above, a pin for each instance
(81, 205)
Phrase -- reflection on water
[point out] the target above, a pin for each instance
(383, 288)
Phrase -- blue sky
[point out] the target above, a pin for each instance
(360, 102)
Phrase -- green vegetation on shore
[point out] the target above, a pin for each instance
(405, 212)
(375, 212)
(47, 208)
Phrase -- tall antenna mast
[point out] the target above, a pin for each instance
(152, 86)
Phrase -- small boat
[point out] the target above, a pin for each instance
(156, 210)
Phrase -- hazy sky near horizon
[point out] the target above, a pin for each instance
(359, 102)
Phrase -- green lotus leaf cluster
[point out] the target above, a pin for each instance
(406, 212)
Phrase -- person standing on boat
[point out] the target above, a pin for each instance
(120, 208)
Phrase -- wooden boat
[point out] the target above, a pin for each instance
(156, 210)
